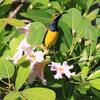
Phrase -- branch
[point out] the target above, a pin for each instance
(13, 13)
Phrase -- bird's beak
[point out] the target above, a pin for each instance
(58, 15)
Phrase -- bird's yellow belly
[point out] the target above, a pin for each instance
(51, 38)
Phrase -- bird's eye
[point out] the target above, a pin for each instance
(56, 14)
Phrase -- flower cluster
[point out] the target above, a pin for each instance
(61, 69)
(36, 59)
(38, 62)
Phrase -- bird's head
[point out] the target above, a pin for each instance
(54, 23)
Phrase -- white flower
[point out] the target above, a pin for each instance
(38, 57)
(23, 47)
(37, 72)
(61, 69)
(37, 66)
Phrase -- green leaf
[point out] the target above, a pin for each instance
(63, 48)
(81, 3)
(56, 85)
(43, 2)
(57, 6)
(80, 31)
(87, 97)
(72, 98)
(82, 88)
(2, 24)
(63, 2)
(94, 75)
(14, 43)
(83, 59)
(1, 36)
(10, 35)
(95, 92)
(91, 34)
(12, 96)
(37, 33)
(83, 27)
(84, 72)
(22, 75)
(89, 3)
(72, 18)
(93, 14)
(22, 60)
(95, 84)
(6, 68)
(32, 94)
(4, 8)
(39, 94)
(97, 55)
(94, 79)
(67, 33)
(14, 22)
(98, 22)
(98, 68)
(38, 15)
(7, 54)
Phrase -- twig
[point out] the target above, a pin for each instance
(2, 88)
(13, 14)
(4, 82)
(73, 58)
(26, 21)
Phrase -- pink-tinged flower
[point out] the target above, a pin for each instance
(23, 47)
(39, 56)
(37, 71)
(37, 66)
(36, 58)
(61, 69)
(25, 29)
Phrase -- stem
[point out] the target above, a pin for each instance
(85, 13)
(22, 97)
(63, 90)
(73, 46)
(82, 61)
(14, 88)
(2, 88)
(4, 82)
(74, 58)
(8, 79)
(92, 67)
(13, 13)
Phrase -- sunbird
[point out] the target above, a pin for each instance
(52, 32)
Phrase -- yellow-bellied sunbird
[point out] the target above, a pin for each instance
(52, 33)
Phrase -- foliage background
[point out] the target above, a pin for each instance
(78, 43)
